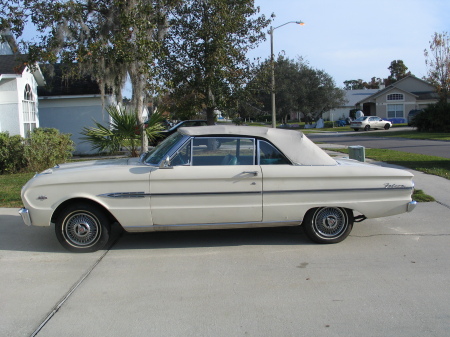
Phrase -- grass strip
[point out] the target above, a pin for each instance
(420, 196)
(406, 134)
(437, 166)
(10, 185)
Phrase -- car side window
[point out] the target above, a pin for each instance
(210, 151)
(270, 155)
(182, 156)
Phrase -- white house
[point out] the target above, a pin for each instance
(19, 111)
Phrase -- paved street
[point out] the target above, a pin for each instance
(389, 278)
(428, 147)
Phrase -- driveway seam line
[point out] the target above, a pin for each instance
(72, 290)
(442, 204)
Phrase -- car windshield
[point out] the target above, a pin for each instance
(155, 156)
(360, 119)
(176, 126)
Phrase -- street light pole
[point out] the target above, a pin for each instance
(272, 63)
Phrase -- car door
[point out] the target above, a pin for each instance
(377, 122)
(211, 180)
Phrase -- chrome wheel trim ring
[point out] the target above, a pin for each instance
(81, 229)
(330, 222)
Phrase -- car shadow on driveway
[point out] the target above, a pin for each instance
(212, 238)
(16, 236)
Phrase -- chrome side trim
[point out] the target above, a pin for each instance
(143, 194)
(160, 228)
(25, 216)
(126, 195)
(339, 190)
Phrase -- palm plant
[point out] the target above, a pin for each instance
(124, 131)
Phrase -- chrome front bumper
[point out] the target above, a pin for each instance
(411, 205)
(25, 216)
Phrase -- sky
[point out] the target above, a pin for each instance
(355, 39)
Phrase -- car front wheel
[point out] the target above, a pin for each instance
(387, 126)
(82, 228)
(328, 224)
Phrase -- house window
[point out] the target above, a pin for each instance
(395, 110)
(395, 97)
(29, 110)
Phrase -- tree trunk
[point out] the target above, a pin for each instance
(210, 116)
(138, 84)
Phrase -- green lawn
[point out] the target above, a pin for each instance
(428, 164)
(406, 134)
(10, 185)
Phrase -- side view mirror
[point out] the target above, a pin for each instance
(165, 164)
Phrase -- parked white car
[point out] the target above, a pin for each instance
(370, 122)
(257, 177)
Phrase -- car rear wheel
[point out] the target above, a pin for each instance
(367, 128)
(356, 129)
(82, 228)
(387, 126)
(328, 224)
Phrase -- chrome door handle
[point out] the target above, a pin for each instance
(255, 173)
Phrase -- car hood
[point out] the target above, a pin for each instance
(94, 163)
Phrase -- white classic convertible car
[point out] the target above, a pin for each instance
(215, 177)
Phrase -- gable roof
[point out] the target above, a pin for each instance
(12, 64)
(60, 85)
(354, 96)
(15, 65)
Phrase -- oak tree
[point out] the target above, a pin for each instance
(206, 47)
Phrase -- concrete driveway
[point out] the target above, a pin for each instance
(390, 277)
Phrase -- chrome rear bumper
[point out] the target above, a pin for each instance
(411, 206)
(25, 216)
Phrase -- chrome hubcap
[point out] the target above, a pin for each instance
(81, 229)
(330, 222)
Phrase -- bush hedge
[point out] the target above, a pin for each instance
(45, 148)
(12, 153)
(434, 118)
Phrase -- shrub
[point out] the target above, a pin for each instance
(123, 131)
(12, 155)
(46, 147)
(434, 118)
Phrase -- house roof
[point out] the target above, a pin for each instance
(12, 64)
(354, 96)
(15, 65)
(60, 85)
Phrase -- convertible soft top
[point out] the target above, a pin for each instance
(294, 144)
